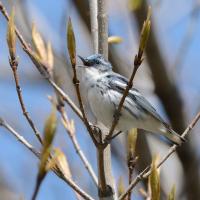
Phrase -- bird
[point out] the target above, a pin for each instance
(104, 90)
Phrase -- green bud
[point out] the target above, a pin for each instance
(145, 34)
(50, 128)
(11, 37)
(71, 43)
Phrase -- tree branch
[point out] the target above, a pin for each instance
(42, 69)
(71, 44)
(102, 28)
(119, 108)
(57, 170)
(94, 24)
(145, 173)
(116, 60)
(29, 52)
(105, 178)
(71, 132)
(20, 138)
(66, 98)
(137, 62)
(14, 66)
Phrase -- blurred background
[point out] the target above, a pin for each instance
(169, 78)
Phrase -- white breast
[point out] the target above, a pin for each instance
(101, 106)
(101, 103)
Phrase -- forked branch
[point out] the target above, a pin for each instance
(30, 53)
(137, 62)
(70, 129)
(145, 173)
(57, 171)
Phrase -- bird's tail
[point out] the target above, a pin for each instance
(173, 136)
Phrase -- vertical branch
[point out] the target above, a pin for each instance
(116, 60)
(94, 24)
(101, 172)
(102, 28)
(71, 44)
(105, 178)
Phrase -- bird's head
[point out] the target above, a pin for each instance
(96, 61)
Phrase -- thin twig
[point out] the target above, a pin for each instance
(77, 147)
(105, 178)
(101, 168)
(14, 66)
(20, 138)
(71, 44)
(57, 170)
(37, 187)
(144, 174)
(116, 117)
(73, 185)
(78, 93)
(137, 62)
(29, 51)
(66, 98)
(102, 28)
(132, 160)
(42, 68)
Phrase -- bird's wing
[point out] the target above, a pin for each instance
(119, 83)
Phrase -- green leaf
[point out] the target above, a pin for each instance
(71, 43)
(145, 33)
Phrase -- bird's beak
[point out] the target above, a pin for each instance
(83, 60)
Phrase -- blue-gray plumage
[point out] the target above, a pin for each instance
(104, 91)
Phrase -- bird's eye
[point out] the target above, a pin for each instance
(97, 62)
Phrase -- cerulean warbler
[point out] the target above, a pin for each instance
(104, 92)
